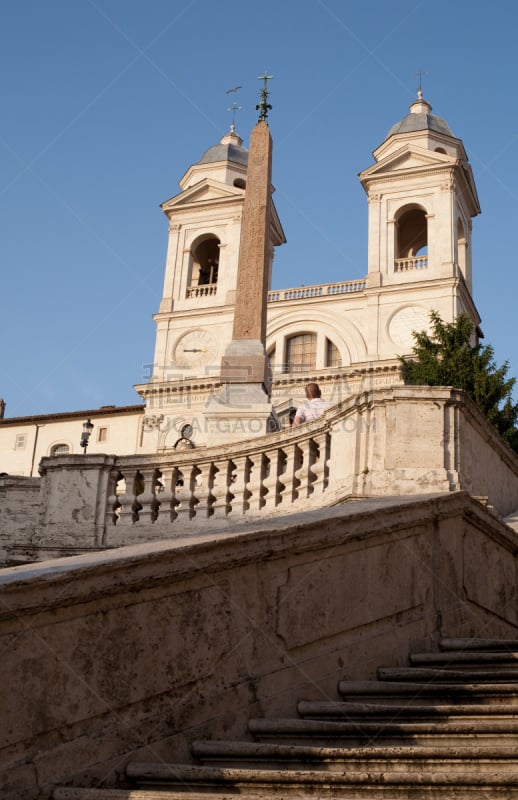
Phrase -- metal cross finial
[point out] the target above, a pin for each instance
(234, 107)
(263, 107)
(420, 76)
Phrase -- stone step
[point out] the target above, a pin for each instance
(421, 674)
(296, 783)
(352, 786)
(72, 793)
(496, 645)
(346, 710)
(389, 759)
(412, 790)
(394, 732)
(396, 692)
(445, 727)
(467, 658)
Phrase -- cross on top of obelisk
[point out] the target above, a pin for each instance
(263, 106)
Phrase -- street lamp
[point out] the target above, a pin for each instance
(87, 430)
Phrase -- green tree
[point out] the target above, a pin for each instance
(446, 357)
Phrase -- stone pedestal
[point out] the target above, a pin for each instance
(227, 424)
(245, 362)
(242, 408)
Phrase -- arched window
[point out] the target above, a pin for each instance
(412, 233)
(411, 246)
(205, 262)
(333, 357)
(271, 358)
(301, 352)
(59, 449)
(462, 246)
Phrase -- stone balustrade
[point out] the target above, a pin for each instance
(414, 262)
(320, 290)
(206, 290)
(394, 440)
(218, 485)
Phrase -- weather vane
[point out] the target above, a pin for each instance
(420, 76)
(263, 107)
(234, 108)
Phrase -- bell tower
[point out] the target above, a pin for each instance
(196, 313)
(201, 263)
(422, 198)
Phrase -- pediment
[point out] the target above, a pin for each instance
(205, 190)
(406, 158)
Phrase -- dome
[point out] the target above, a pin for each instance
(420, 119)
(229, 149)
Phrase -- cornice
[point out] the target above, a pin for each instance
(410, 172)
(89, 413)
(194, 312)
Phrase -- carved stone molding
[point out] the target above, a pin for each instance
(152, 421)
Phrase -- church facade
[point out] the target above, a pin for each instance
(345, 336)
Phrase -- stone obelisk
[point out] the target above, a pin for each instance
(242, 408)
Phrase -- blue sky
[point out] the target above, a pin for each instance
(105, 103)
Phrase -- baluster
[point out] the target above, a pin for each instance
(139, 490)
(319, 463)
(282, 460)
(147, 481)
(287, 476)
(177, 482)
(223, 482)
(239, 494)
(302, 473)
(128, 501)
(196, 486)
(201, 491)
(164, 497)
(182, 493)
(185, 491)
(272, 496)
(325, 454)
(112, 498)
(260, 469)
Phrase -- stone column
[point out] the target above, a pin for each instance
(242, 408)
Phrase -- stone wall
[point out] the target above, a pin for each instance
(19, 512)
(133, 653)
(401, 440)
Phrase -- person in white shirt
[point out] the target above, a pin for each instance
(313, 407)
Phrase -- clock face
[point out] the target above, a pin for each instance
(404, 322)
(195, 349)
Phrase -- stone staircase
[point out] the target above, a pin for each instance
(444, 727)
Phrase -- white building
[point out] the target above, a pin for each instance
(421, 198)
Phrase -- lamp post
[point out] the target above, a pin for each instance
(87, 430)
